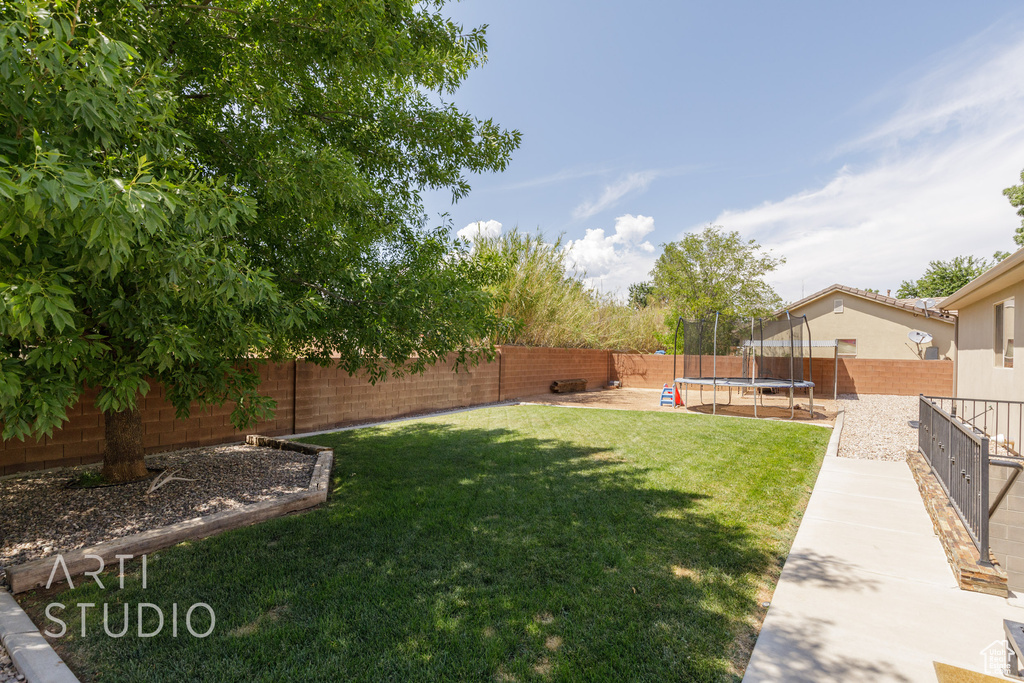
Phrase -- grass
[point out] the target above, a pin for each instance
(503, 544)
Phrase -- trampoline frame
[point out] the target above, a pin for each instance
(756, 383)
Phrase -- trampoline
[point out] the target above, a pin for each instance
(770, 354)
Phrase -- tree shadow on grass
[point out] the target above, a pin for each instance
(450, 553)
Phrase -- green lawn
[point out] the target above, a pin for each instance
(503, 544)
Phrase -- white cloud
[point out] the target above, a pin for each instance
(933, 189)
(480, 229)
(634, 182)
(614, 261)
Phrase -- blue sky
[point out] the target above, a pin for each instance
(858, 140)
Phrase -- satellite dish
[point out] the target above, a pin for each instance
(919, 337)
(927, 304)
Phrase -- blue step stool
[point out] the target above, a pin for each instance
(668, 396)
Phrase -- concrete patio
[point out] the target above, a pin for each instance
(866, 593)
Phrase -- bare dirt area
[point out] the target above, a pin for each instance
(769, 406)
(42, 515)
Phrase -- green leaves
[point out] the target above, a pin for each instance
(188, 189)
(1015, 194)
(119, 263)
(716, 271)
(942, 278)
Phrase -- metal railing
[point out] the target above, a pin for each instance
(959, 455)
(1001, 421)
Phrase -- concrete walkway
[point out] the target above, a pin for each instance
(866, 593)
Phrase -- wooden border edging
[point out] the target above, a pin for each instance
(36, 573)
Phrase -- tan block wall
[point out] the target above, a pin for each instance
(1006, 527)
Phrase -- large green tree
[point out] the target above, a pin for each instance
(716, 271)
(942, 278)
(189, 189)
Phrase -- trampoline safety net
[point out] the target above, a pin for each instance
(772, 349)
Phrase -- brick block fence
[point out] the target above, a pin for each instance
(856, 375)
(311, 398)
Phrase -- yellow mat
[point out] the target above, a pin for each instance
(946, 673)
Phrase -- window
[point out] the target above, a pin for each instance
(1002, 342)
(847, 347)
(837, 306)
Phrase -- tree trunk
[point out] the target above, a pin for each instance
(123, 459)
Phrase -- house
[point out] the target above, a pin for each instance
(987, 332)
(875, 326)
(989, 391)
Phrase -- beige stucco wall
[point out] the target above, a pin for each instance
(977, 373)
(880, 330)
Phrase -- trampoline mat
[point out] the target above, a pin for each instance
(759, 383)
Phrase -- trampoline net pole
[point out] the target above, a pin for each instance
(792, 350)
(714, 350)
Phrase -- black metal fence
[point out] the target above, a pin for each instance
(1001, 421)
(959, 455)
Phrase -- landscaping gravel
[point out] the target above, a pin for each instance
(42, 516)
(877, 427)
(8, 674)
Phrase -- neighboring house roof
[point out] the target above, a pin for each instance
(1005, 273)
(908, 305)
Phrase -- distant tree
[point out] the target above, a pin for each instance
(1015, 194)
(542, 300)
(1000, 255)
(716, 271)
(640, 294)
(942, 278)
(873, 291)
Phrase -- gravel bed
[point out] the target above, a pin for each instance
(8, 674)
(877, 427)
(41, 516)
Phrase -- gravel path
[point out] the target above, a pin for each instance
(8, 674)
(877, 427)
(42, 516)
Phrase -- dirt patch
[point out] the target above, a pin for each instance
(684, 572)
(269, 616)
(732, 403)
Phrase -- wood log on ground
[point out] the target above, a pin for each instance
(564, 386)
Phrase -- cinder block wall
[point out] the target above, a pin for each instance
(81, 440)
(900, 377)
(329, 397)
(310, 398)
(1006, 526)
(530, 371)
(856, 375)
